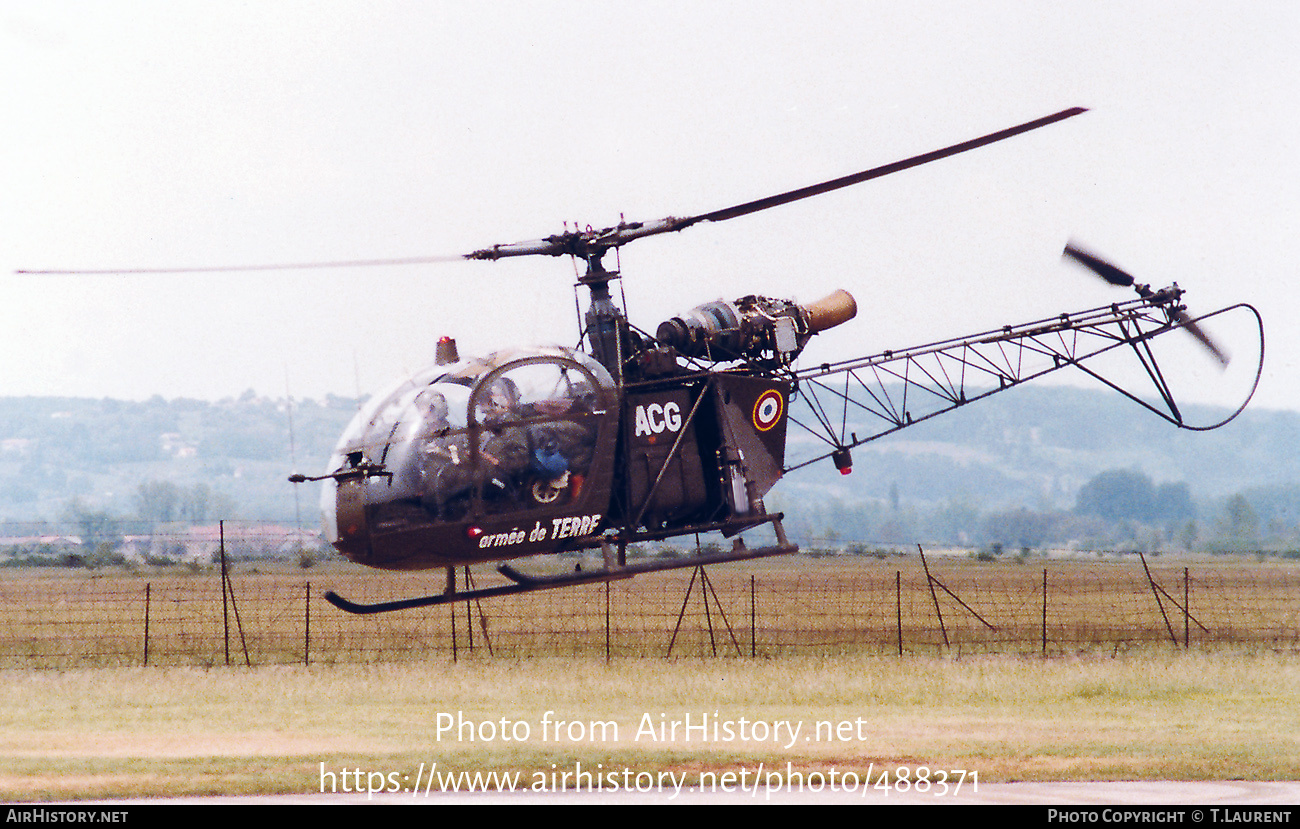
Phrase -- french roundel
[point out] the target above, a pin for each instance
(768, 410)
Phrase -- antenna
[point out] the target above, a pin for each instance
(293, 462)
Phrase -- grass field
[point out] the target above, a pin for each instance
(848, 605)
(811, 682)
(174, 731)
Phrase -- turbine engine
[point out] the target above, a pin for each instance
(754, 328)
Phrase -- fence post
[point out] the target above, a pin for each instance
(898, 607)
(225, 608)
(228, 590)
(1044, 612)
(935, 596)
(146, 624)
(306, 627)
(1187, 611)
(1155, 591)
(753, 619)
(469, 612)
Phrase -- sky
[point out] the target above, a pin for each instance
(144, 135)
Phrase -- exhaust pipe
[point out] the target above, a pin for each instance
(831, 310)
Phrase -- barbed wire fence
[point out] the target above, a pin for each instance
(258, 610)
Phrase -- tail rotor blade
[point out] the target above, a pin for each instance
(1105, 270)
(1199, 333)
(1115, 276)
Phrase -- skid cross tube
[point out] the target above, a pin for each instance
(525, 583)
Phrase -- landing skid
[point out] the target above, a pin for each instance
(525, 583)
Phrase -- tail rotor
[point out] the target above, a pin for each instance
(1177, 313)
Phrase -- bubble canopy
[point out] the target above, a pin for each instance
(507, 433)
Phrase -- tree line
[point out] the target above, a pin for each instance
(1115, 509)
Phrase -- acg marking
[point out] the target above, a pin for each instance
(654, 418)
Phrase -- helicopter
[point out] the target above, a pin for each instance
(640, 437)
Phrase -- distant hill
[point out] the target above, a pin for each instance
(1010, 469)
(102, 451)
(1037, 445)
(1031, 448)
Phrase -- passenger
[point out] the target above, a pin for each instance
(444, 456)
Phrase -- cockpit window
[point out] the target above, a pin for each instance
(536, 434)
(533, 390)
(487, 436)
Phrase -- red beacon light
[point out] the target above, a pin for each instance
(843, 461)
(446, 352)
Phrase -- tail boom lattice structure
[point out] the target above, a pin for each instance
(853, 402)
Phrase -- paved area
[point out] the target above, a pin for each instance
(1211, 795)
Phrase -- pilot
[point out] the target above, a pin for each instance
(444, 456)
(503, 443)
(498, 402)
(527, 447)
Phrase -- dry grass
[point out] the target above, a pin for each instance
(1118, 701)
(68, 619)
(172, 731)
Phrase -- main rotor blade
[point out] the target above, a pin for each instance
(1105, 270)
(283, 266)
(877, 172)
(591, 243)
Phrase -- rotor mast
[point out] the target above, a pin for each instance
(605, 321)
